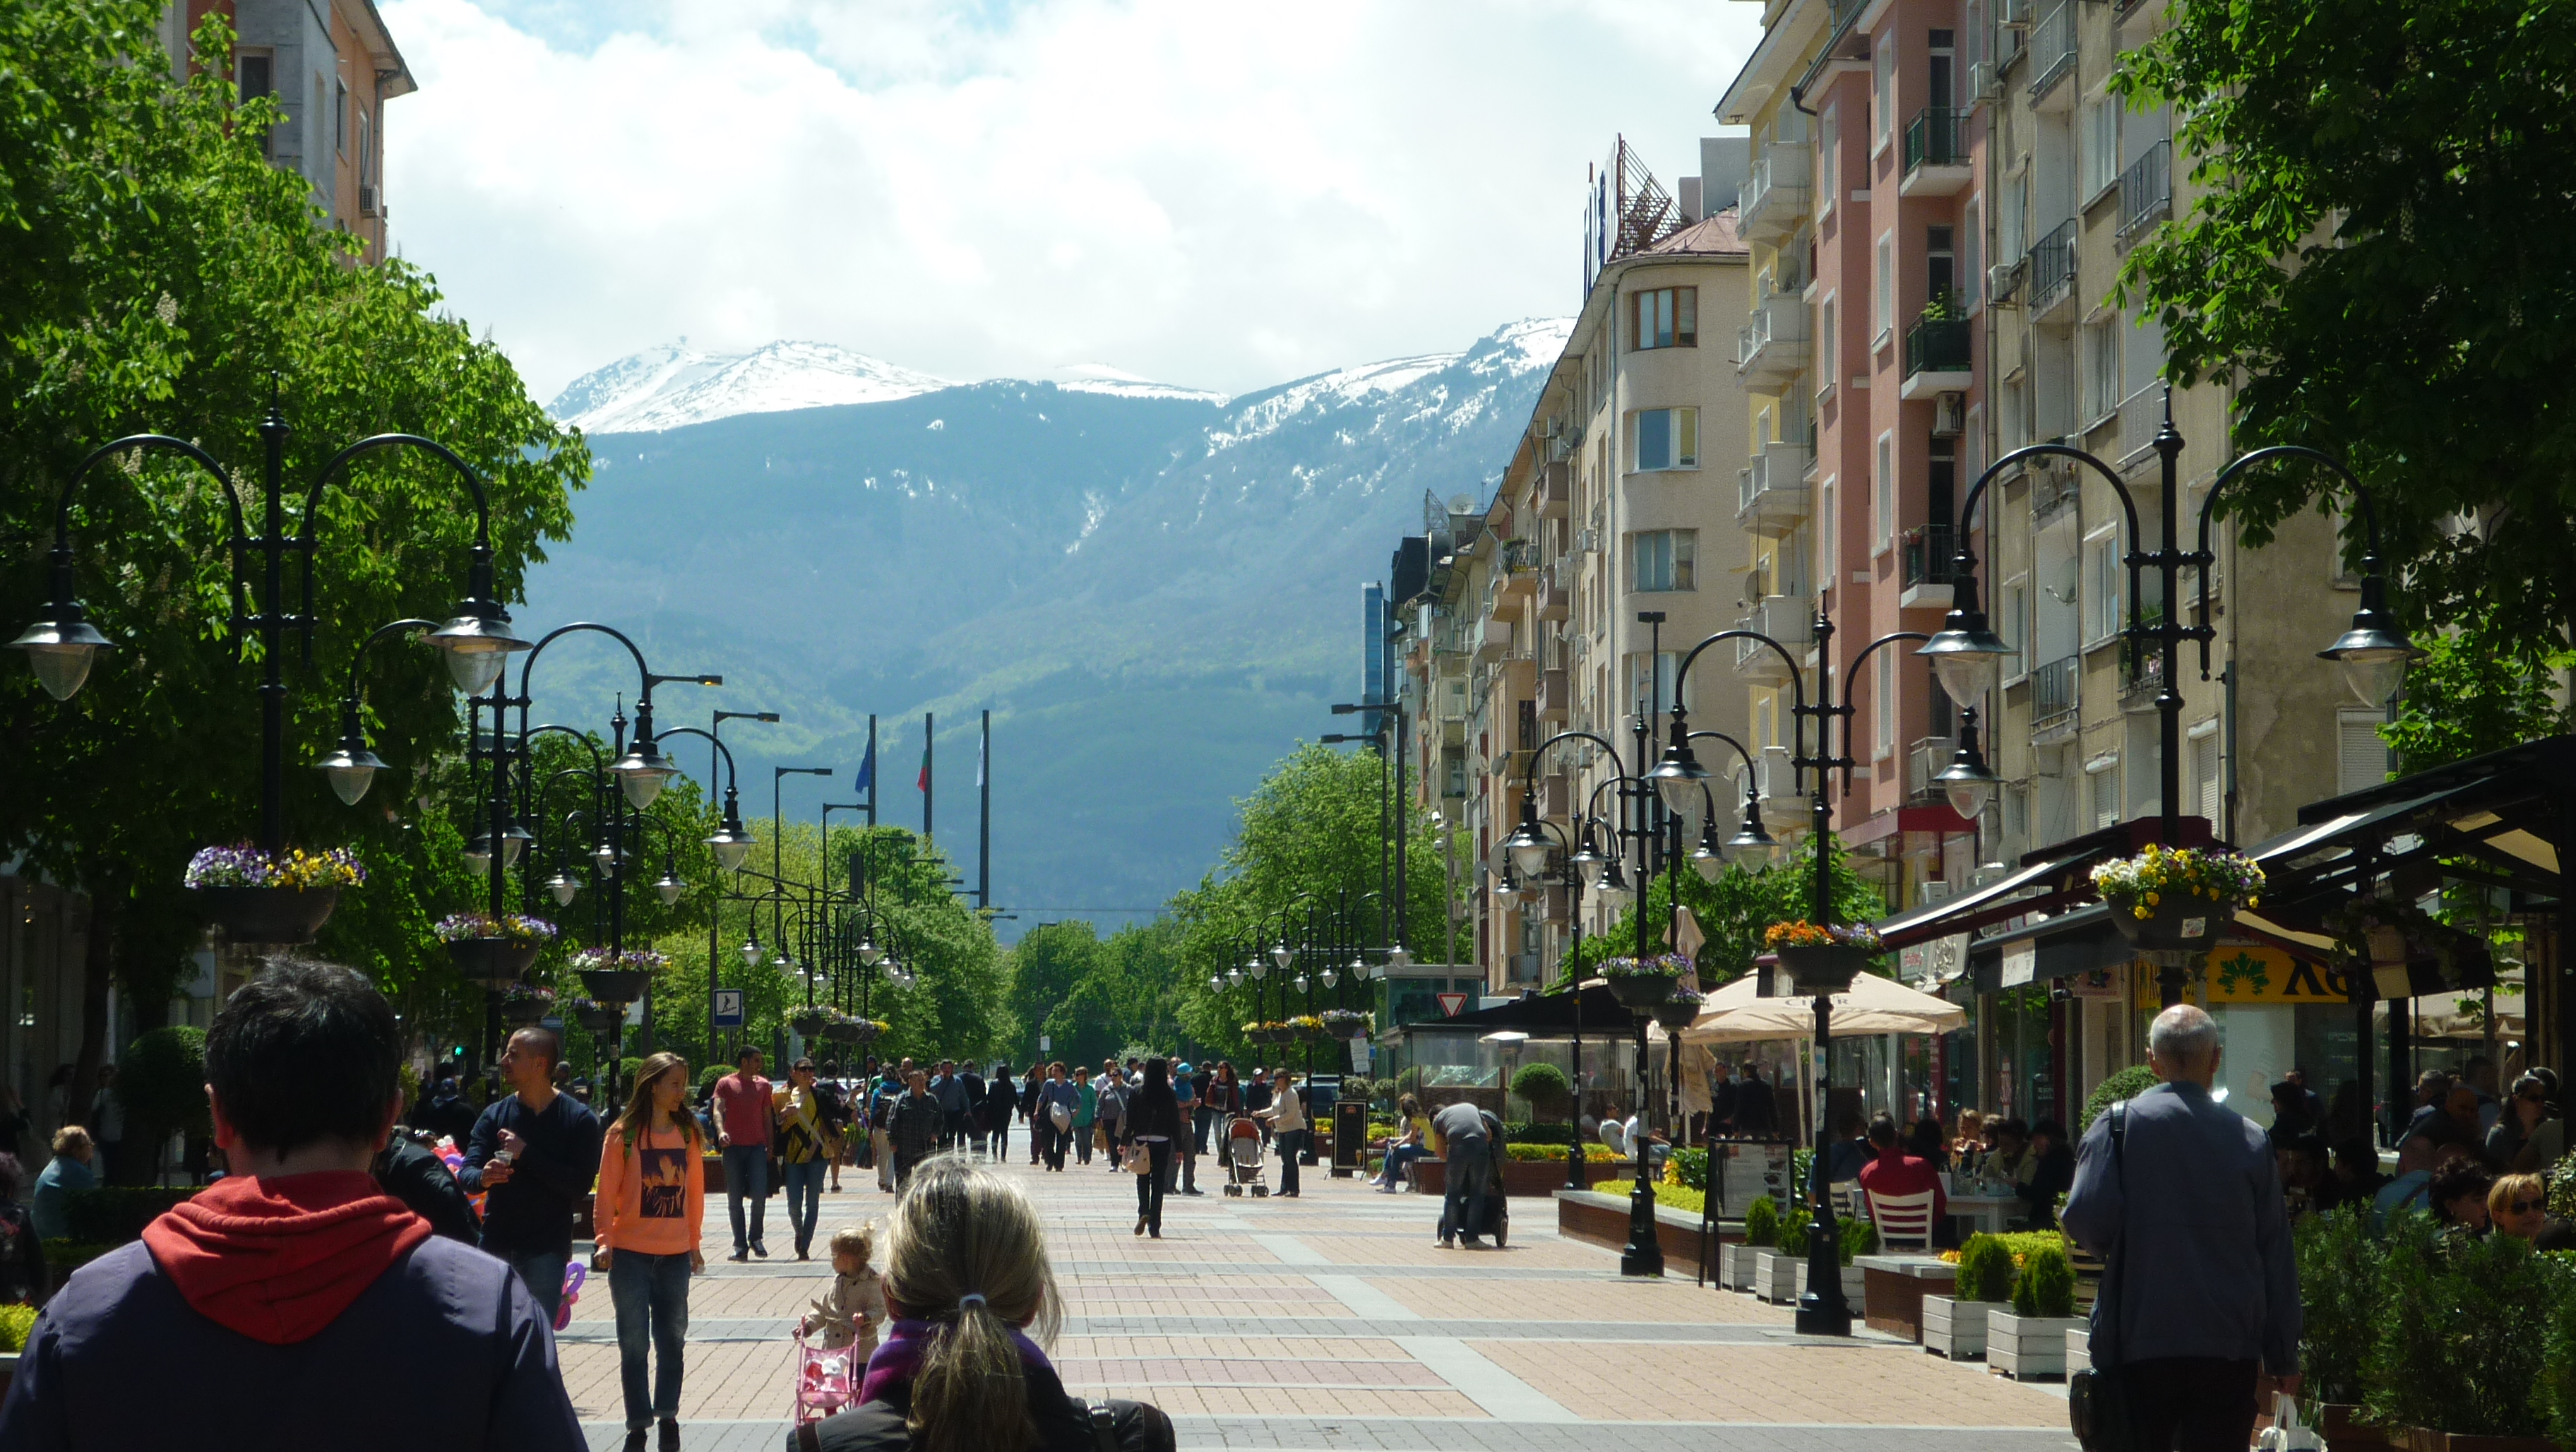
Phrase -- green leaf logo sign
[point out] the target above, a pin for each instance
(2243, 969)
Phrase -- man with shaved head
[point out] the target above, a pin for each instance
(2180, 1195)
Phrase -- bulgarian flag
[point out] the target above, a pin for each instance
(924, 783)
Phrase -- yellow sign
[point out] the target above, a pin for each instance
(2237, 974)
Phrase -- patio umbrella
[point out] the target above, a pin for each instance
(1873, 1005)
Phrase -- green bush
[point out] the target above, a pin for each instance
(114, 1214)
(1597, 1154)
(161, 1079)
(708, 1076)
(1687, 1168)
(15, 1323)
(2046, 1286)
(2128, 1083)
(2339, 1289)
(1860, 1237)
(1410, 1081)
(1544, 1085)
(1986, 1269)
(1762, 1223)
(1525, 1132)
(63, 1256)
(2464, 1328)
(1793, 1231)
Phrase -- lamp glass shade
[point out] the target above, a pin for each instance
(1399, 957)
(642, 773)
(1529, 853)
(351, 770)
(476, 649)
(1299, 983)
(1283, 955)
(751, 954)
(2373, 673)
(1677, 780)
(1969, 796)
(1216, 983)
(730, 848)
(61, 651)
(604, 857)
(1507, 892)
(1707, 861)
(1965, 656)
(1331, 977)
(1255, 966)
(1233, 977)
(670, 888)
(869, 953)
(478, 857)
(892, 970)
(514, 840)
(563, 889)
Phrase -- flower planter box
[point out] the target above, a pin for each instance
(1306, 1035)
(809, 1025)
(2079, 1351)
(1896, 1287)
(1643, 990)
(1955, 1328)
(493, 962)
(1823, 967)
(598, 1020)
(522, 1012)
(281, 915)
(1778, 1278)
(1735, 1266)
(2339, 1424)
(615, 985)
(2027, 1348)
(2177, 921)
(841, 1033)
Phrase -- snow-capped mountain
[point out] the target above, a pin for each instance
(674, 385)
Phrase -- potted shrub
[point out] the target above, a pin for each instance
(1306, 1028)
(594, 1017)
(1780, 1276)
(1859, 1238)
(493, 952)
(523, 1004)
(1823, 959)
(1955, 1325)
(2340, 1306)
(2030, 1339)
(1644, 982)
(1345, 1023)
(1542, 1086)
(1761, 1233)
(258, 898)
(2466, 1358)
(2177, 898)
(618, 977)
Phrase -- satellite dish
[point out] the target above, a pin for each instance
(1462, 504)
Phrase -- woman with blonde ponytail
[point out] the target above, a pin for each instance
(963, 1368)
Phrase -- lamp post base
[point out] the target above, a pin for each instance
(1822, 1311)
(1815, 1319)
(1644, 1255)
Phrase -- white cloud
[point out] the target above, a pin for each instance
(1216, 195)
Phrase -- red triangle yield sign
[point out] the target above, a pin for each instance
(1452, 1004)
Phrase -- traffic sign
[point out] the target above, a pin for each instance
(1452, 1004)
(728, 1008)
(1046, 1045)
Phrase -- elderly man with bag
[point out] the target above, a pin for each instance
(2181, 1198)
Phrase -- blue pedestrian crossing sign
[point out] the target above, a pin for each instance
(728, 1008)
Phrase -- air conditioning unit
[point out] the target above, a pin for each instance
(1588, 541)
(1949, 415)
(366, 201)
(1984, 83)
(2013, 14)
(2001, 279)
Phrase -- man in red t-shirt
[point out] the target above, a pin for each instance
(1894, 1172)
(745, 1120)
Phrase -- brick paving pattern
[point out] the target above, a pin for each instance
(1332, 1322)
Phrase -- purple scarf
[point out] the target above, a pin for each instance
(898, 1358)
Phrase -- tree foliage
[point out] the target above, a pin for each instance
(2473, 693)
(1734, 910)
(2384, 260)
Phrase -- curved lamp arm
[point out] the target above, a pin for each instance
(351, 766)
(2208, 508)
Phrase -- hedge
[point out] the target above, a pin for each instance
(15, 1323)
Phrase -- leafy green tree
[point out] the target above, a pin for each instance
(2381, 261)
(2474, 693)
(1734, 911)
(157, 274)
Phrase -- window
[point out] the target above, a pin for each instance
(1666, 438)
(2012, 624)
(1882, 90)
(1828, 559)
(1886, 286)
(2009, 219)
(1825, 336)
(2012, 416)
(2104, 555)
(2104, 776)
(2102, 369)
(340, 117)
(1663, 559)
(1976, 441)
(2205, 776)
(1885, 704)
(1829, 135)
(258, 79)
(1940, 263)
(2099, 147)
(1944, 56)
(1972, 276)
(2361, 758)
(1883, 501)
(1664, 317)
(1655, 693)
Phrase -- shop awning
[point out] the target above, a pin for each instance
(1969, 910)
(1874, 1005)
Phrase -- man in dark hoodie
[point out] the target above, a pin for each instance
(295, 1271)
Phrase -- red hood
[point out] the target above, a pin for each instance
(279, 1259)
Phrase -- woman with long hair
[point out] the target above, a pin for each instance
(973, 1304)
(1154, 1121)
(650, 1211)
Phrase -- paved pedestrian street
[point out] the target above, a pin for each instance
(1332, 1321)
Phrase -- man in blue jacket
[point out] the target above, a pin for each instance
(2186, 1209)
(533, 1154)
(293, 1273)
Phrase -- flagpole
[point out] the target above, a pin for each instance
(984, 832)
(929, 740)
(872, 768)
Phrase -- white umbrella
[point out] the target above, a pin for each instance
(1873, 1005)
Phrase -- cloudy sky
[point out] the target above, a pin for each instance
(1202, 192)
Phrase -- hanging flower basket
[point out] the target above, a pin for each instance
(1641, 983)
(1346, 1023)
(619, 978)
(1273, 1032)
(597, 1018)
(1306, 1028)
(494, 952)
(256, 898)
(2179, 899)
(1679, 1011)
(842, 1031)
(524, 1004)
(1823, 959)
(810, 1022)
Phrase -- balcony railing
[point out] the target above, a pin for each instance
(2142, 671)
(1924, 760)
(1932, 138)
(2052, 48)
(2141, 414)
(2054, 690)
(1937, 345)
(1931, 556)
(2146, 191)
(2052, 267)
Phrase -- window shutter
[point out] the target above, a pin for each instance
(2361, 757)
(2204, 768)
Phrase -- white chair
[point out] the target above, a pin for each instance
(1905, 1219)
(1615, 1135)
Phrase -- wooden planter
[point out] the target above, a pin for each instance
(1779, 1278)
(280, 915)
(2027, 1348)
(2339, 1423)
(2079, 1351)
(1955, 1328)
(1735, 1266)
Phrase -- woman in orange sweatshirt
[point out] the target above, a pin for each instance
(649, 1213)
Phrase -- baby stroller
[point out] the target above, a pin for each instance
(1243, 1164)
(827, 1379)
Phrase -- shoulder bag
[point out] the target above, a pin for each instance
(2097, 1398)
(1138, 1160)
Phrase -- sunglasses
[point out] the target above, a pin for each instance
(2523, 1207)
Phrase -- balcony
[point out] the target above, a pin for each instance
(2054, 693)
(1936, 160)
(1785, 619)
(2142, 417)
(1555, 696)
(1555, 591)
(1937, 352)
(1931, 565)
(1555, 490)
(1775, 346)
(2052, 55)
(1773, 196)
(2142, 672)
(1924, 760)
(1771, 493)
(1516, 572)
(2052, 270)
(1493, 640)
(2146, 192)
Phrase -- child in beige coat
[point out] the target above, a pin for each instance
(850, 1313)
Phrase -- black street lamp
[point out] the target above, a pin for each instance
(475, 641)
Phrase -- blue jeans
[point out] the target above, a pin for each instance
(746, 1173)
(804, 1183)
(1396, 1159)
(652, 1296)
(543, 1270)
(1462, 1207)
(1292, 1143)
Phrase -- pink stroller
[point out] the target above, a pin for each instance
(827, 1380)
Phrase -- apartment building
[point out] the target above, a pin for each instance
(331, 66)
(1619, 500)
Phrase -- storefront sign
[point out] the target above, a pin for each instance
(2243, 974)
